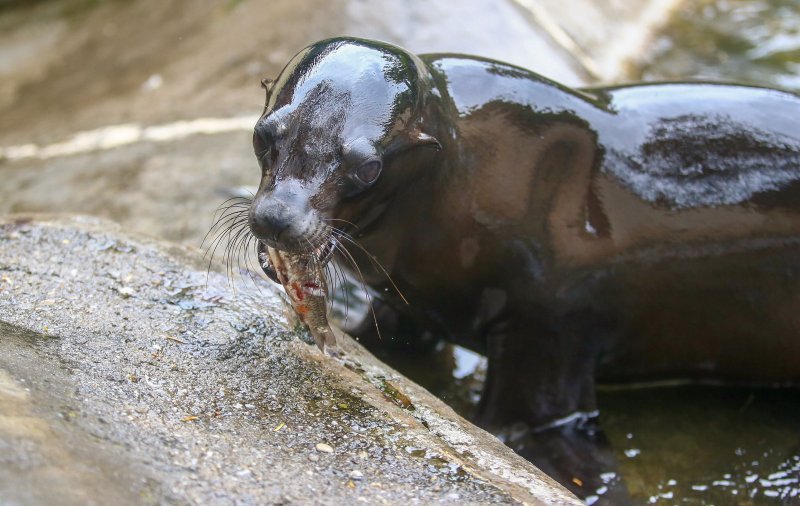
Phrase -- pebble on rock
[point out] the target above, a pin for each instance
(324, 448)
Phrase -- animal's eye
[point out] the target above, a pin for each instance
(368, 172)
(262, 148)
(259, 145)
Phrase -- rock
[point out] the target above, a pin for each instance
(166, 392)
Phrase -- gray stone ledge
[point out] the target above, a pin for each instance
(130, 375)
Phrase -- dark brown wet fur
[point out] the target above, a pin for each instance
(632, 233)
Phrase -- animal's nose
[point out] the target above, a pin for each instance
(269, 218)
(282, 216)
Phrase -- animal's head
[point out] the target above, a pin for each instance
(339, 122)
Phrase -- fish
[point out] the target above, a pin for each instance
(306, 287)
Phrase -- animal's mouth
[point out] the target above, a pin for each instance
(319, 255)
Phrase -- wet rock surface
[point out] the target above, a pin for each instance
(130, 374)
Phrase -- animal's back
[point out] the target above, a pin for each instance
(701, 145)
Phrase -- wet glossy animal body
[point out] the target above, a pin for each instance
(630, 233)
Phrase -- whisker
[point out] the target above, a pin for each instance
(251, 246)
(230, 249)
(342, 249)
(320, 272)
(230, 223)
(226, 210)
(376, 264)
(240, 253)
(239, 249)
(228, 217)
(234, 254)
(245, 253)
(222, 209)
(339, 284)
(224, 236)
(343, 221)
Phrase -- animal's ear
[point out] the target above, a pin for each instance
(412, 139)
(419, 138)
(267, 84)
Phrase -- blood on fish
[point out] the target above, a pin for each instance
(306, 288)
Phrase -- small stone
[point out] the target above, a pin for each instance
(313, 457)
(356, 475)
(126, 291)
(324, 448)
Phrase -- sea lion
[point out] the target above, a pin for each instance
(627, 233)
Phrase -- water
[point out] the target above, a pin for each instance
(675, 445)
(753, 41)
(706, 445)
